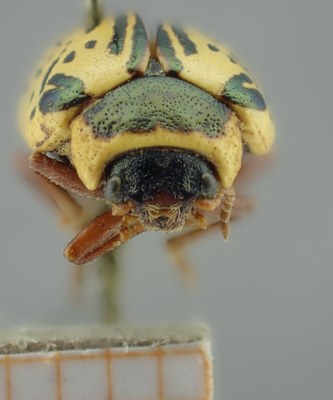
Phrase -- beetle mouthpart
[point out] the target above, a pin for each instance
(105, 233)
(167, 219)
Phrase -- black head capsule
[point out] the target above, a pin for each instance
(162, 184)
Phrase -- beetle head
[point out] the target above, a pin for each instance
(161, 184)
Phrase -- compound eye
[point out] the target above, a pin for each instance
(209, 186)
(112, 189)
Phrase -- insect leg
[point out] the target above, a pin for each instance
(105, 233)
(226, 211)
(72, 213)
(177, 244)
(63, 175)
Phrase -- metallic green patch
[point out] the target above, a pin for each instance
(116, 45)
(140, 45)
(68, 92)
(187, 44)
(146, 103)
(237, 93)
(164, 45)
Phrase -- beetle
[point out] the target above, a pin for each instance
(156, 131)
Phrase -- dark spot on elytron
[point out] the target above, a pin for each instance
(164, 45)
(146, 103)
(212, 47)
(32, 96)
(33, 112)
(48, 72)
(233, 59)
(59, 43)
(118, 39)
(91, 44)
(187, 44)
(68, 92)
(38, 73)
(69, 42)
(237, 93)
(70, 57)
(140, 45)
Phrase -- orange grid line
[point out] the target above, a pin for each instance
(8, 378)
(108, 359)
(207, 374)
(57, 365)
(108, 355)
(159, 358)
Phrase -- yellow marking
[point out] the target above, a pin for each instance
(90, 155)
(258, 129)
(206, 69)
(210, 71)
(99, 70)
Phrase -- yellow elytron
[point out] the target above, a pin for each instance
(104, 94)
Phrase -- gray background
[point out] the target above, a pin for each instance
(267, 294)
